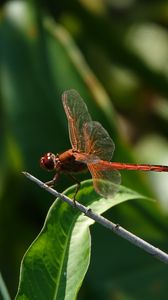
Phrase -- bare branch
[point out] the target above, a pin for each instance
(162, 256)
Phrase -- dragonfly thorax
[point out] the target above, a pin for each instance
(64, 162)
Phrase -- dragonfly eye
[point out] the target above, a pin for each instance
(48, 161)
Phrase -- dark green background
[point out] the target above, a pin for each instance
(115, 53)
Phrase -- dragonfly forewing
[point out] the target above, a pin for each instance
(77, 115)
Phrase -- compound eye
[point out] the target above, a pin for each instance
(48, 161)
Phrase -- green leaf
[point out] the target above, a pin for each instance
(57, 261)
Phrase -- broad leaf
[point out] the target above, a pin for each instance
(57, 261)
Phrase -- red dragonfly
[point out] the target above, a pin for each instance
(92, 148)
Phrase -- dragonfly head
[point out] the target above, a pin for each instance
(49, 161)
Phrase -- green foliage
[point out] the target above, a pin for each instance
(114, 53)
(55, 264)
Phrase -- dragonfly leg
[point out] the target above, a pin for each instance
(78, 184)
(54, 180)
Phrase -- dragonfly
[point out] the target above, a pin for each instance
(92, 149)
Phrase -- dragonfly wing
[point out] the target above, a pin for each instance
(106, 183)
(86, 158)
(97, 141)
(77, 115)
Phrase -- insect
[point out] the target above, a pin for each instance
(92, 148)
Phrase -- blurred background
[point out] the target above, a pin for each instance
(115, 54)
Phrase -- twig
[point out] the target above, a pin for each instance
(156, 252)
